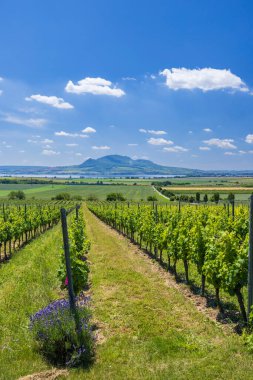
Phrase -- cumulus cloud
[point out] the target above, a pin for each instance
(206, 79)
(68, 134)
(102, 147)
(89, 130)
(159, 141)
(249, 139)
(95, 86)
(142, 130)
(208, 130)
(221, 143)
(175, 149)
(47, 152)
(31, 123)
(204, 148)
(52, 101)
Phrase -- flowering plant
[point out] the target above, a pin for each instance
(57, 336)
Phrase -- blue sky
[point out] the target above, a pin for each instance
(171, 81)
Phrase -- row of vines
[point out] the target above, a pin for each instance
(19, 223)
(204, 237)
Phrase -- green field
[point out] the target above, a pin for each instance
(130, 192)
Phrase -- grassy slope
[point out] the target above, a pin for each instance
(151, 331)
(27, 283)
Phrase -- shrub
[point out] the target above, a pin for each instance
(54, 330)
(151, 198)
(16, 195)
(113, 197)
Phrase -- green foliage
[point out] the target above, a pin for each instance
(19, 194)
(79, 247)
(113, 197)
(151, 198)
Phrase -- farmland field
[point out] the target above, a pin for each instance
(131, 192)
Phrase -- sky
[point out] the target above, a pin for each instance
(167, 80)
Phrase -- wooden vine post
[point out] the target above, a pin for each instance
(250, 263)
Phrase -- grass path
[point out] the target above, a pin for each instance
(148, 329)
(28, 282)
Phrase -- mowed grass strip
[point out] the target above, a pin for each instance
(148, 329)
(28, 282)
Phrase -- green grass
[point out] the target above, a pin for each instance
(149, 329)
(131, 192)
(28, 282)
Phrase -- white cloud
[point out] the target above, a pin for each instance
(204, 148)
(32, 123)
(175, 149)
(132, 144)
(30, 141)
(128, 78)
(249, 139)
(208, 130)
(159, 141)
(78, 154)
(102, 147)
(68, 134)
(47, 152)
(221, 143)
(206, 79)
(153, 132)
(89, 130)
(22, 151)
(229, 154)
(71, 145)
(51, 101)
(95, 86)
(47, 141)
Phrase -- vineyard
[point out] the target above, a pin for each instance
(21, 222)
(210, 239)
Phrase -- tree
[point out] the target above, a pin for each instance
(17, 195)
(197, 197)
(231, 197)
(215, 197)
(113, 197)
(205, 199)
